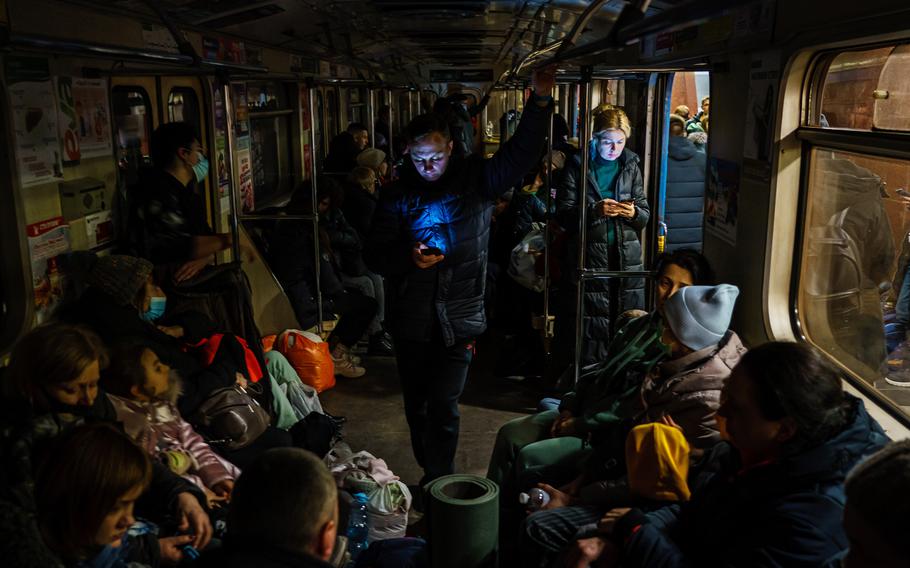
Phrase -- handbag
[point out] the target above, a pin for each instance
(231, 417)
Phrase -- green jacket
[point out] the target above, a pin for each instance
(605, 392)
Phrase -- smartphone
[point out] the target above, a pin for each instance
(431, 251)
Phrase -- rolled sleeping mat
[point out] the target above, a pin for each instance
(463, 522)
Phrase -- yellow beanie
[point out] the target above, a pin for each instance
(657, 458)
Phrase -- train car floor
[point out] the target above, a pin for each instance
(376, 421)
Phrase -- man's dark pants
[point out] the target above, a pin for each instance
(432, 380)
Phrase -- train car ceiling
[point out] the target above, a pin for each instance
(405, 40)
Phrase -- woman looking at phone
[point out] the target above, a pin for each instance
(617, 211)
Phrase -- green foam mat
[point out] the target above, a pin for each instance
(463, 521)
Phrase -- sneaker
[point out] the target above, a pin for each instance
(342, 352)
(898, 378)
(346, 368)
(381, 345)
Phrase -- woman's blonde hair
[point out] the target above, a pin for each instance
(609, 117)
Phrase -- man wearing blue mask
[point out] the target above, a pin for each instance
(167, 212)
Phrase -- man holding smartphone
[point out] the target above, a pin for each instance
(429, 239)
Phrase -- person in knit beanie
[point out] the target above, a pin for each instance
(698, 316)
(120, 276)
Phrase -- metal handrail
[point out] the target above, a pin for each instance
(582, 198)
(592, 273)
(277, 217)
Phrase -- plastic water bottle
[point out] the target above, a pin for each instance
(661, 236)
(534, 499)
(358, 532)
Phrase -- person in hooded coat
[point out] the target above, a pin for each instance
(777, 497)
(685, 189)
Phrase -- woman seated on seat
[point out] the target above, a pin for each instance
(346, 248)
(792, 435)
(636, 351)
(291, 256)
(50, 387)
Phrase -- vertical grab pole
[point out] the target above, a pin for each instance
(391, 128)
(371, 115)
(546, 239)
(581, 191)
(235, 179)
(315, 203)
(410, 105)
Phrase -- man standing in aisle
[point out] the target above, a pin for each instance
(429, 238)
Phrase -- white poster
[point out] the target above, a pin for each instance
(93, 121)
(764, 77)
(46, 240)
(35, 124)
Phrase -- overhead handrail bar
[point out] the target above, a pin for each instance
(276, 217)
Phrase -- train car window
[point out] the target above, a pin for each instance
(331, 113)
(183, 106)
(357, 107)
(133, 120)
(270, 143)
(866, 89)
(853, 294)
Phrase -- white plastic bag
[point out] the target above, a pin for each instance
(389, 498)
(524, 258)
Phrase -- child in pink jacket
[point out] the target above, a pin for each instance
(143, 391)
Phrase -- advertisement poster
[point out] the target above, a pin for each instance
(66, 117)
(46, 240)
(99, 228)
(222, 49)
(35, 123)
(92, 117)
(245, 168)
(764, 77)
(722, 200)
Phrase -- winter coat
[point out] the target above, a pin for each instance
(685, 194)
(21, 432)
(784, 513)
(346, 243)
(628, 185)
(859, 191)
(342, 157)
(688, 389)
(452, 213)
(158, 427)
(164, 217)
(359, 207)
(258, 554)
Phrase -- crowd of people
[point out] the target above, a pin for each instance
(148, 424)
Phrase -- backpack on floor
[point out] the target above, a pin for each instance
(310, 357)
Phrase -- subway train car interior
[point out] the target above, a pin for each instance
(312, 283)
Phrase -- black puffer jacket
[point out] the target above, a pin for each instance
(627, 256)
(685, 194)
(452, 213)
(345, 241)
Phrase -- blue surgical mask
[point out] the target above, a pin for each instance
(156, 308)
(201, 167)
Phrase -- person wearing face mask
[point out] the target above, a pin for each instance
(429, 239)
(617, 211)
(167, 212)
(123, 303)
(49, 388)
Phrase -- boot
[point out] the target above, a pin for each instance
(344, 365)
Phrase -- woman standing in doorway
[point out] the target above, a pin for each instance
(617, 211)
